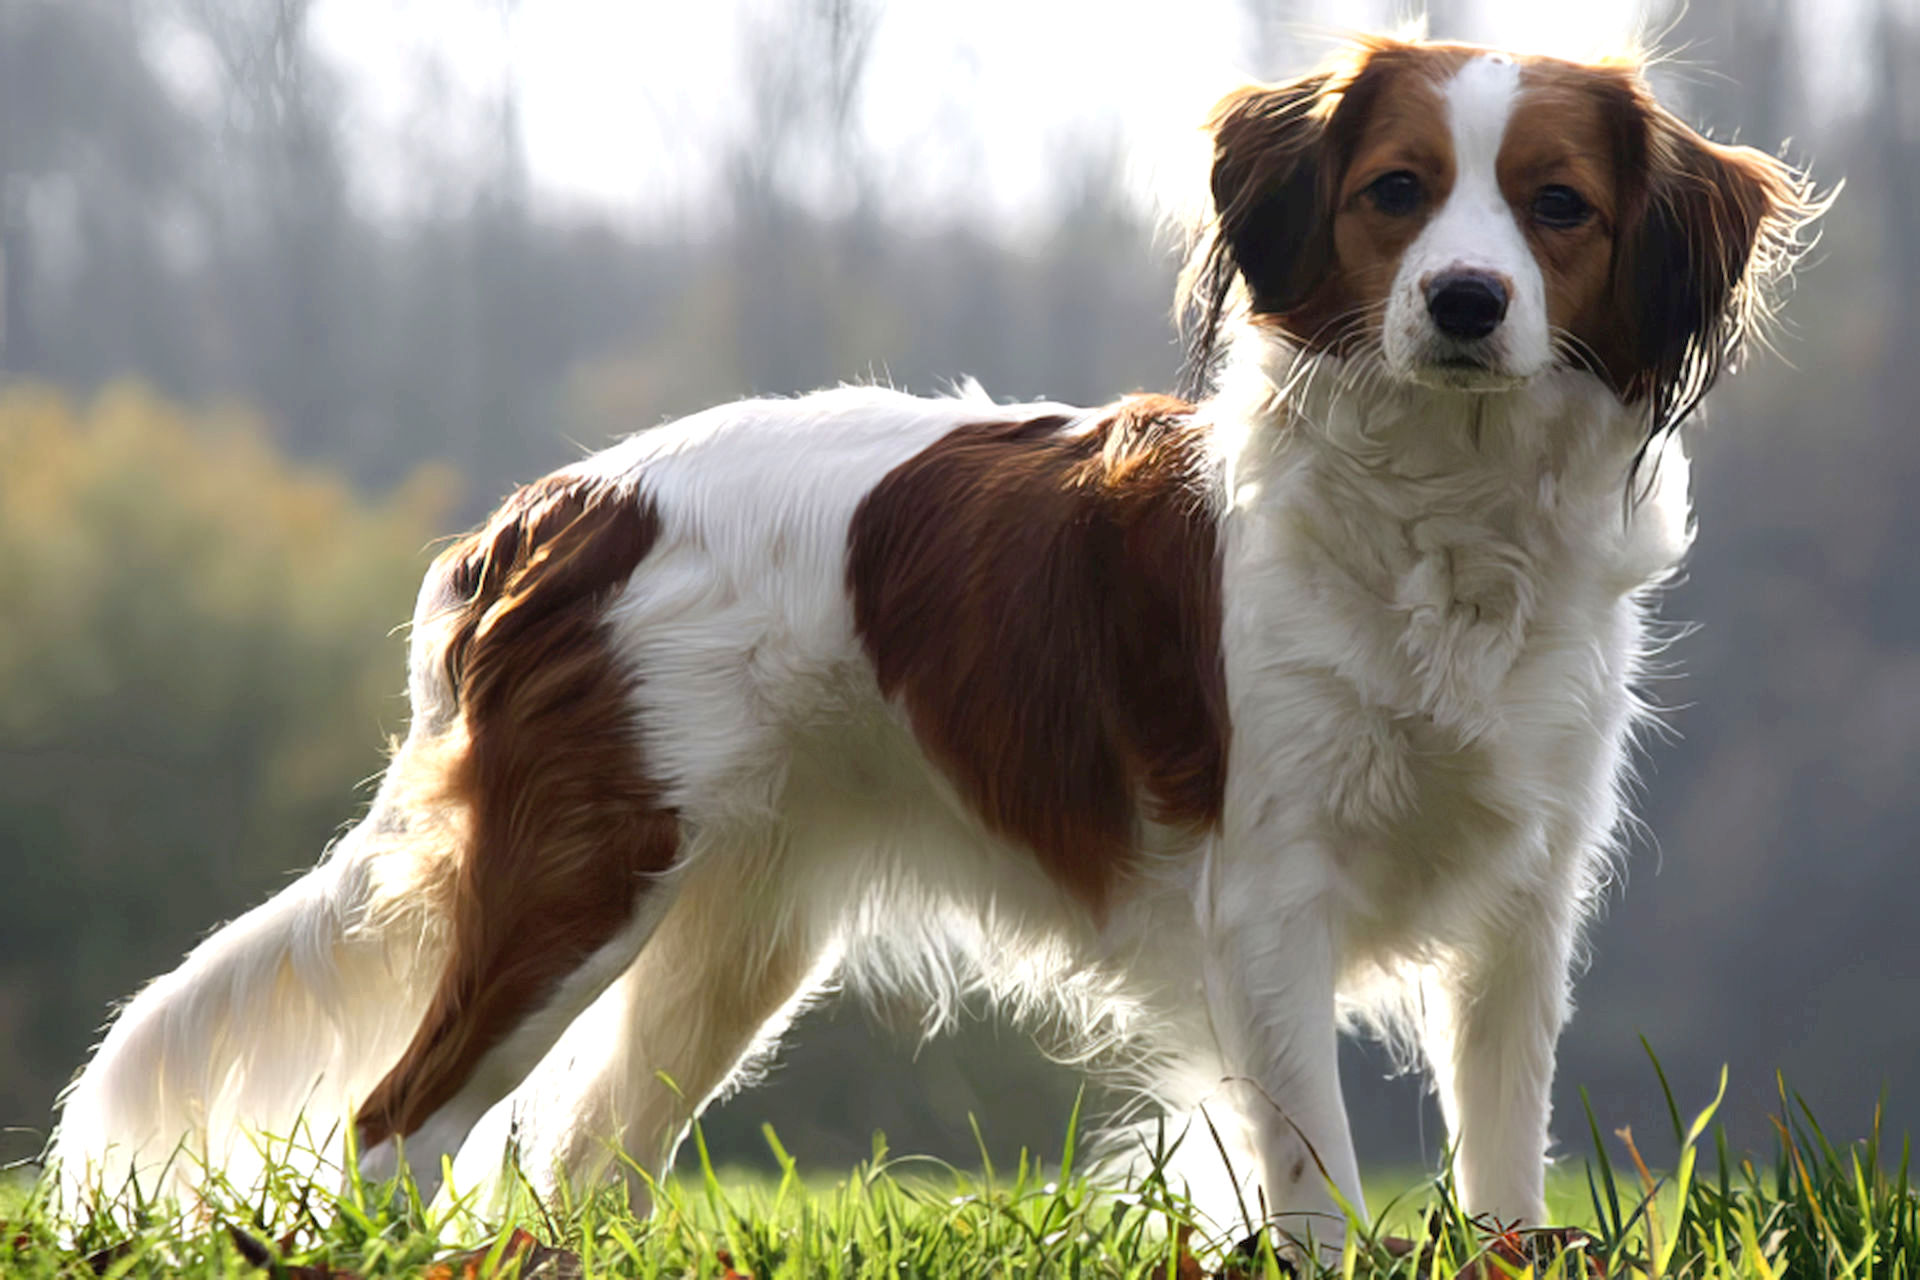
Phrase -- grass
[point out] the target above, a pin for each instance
(1815, 1209)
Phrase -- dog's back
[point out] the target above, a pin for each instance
(751, 684)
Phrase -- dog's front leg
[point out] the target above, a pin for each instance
(1490, 1023)
(1269, 980)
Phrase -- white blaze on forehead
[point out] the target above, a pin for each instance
(1480, 100)
(1474, 229)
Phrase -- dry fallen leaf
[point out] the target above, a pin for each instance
(1185, 1265)
(536, 1262)
(1514, 1250)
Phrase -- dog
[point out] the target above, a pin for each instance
(1211, 726)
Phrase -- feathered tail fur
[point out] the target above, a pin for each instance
(274, 1027)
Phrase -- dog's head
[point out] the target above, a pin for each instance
(1473, 219)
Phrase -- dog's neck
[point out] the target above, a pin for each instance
(1443, 526)
(1559, 461)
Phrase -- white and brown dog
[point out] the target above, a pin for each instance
(1206, 726)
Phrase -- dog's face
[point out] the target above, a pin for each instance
(1473, 219)
(1476, 224)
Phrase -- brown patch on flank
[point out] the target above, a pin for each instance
(1046, 607)
(564, 828)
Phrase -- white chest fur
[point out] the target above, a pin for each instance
(1433, 619)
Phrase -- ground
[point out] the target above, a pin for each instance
(1813, 1209)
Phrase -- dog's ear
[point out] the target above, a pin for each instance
(1270, 190)
(1711, 231)
(1269, 228)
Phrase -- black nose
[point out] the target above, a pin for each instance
(1466, 304)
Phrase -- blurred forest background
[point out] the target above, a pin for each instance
(240, 396)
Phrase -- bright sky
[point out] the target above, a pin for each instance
(618, 97)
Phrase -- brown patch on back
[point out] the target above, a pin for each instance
(564, 828)
(1046, 607)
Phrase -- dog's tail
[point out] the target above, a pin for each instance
(270, 1032)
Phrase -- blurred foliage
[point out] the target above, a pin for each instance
(197, 658)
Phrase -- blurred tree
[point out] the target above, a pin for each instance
(1737, 66)
(1274, 28)
(92, 146)
(276, 207)
(197, 657)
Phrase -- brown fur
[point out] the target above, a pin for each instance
(1567, 131)
(1714, 229)
(1394, 118)
(1046, 607)
(1282, 185)
(564, 827)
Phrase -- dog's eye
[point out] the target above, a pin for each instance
(1561, 208)
(1396, 194)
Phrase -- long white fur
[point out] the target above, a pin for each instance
(1435, 611)
(260, 1043)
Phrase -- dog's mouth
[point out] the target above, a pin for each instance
(1464, 371)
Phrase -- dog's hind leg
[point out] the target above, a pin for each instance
(730, 965)
(565, 863)
(496, 1014)
(510, 867)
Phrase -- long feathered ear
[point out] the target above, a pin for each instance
(1719, 229)
(1268, 234)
